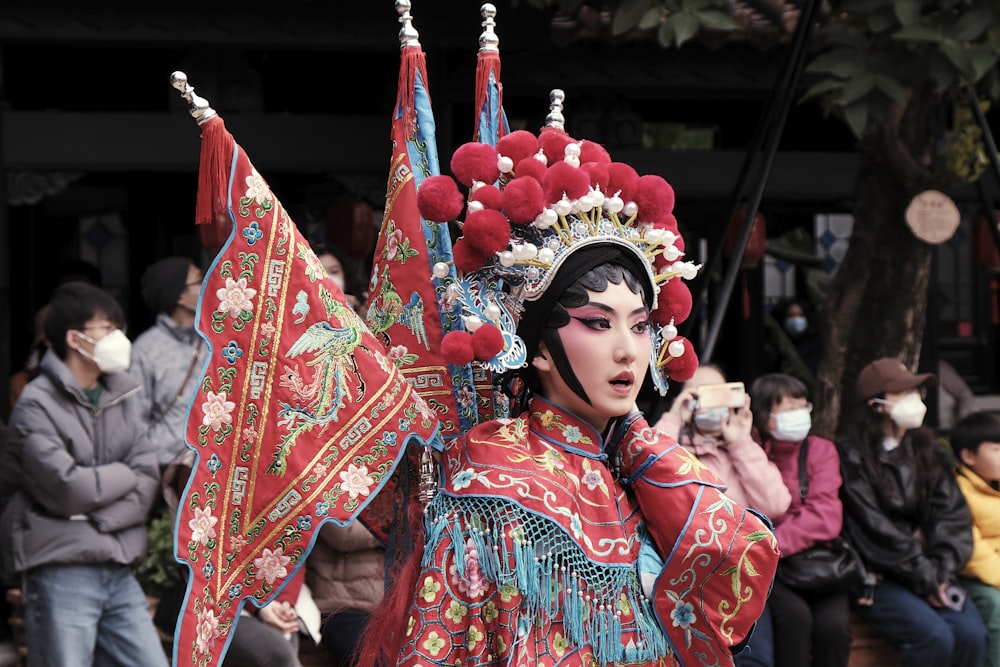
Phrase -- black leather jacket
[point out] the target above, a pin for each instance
(918, 544)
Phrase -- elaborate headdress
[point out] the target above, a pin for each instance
(532, 203)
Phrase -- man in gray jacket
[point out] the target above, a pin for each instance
(81, 477)
(167, 358)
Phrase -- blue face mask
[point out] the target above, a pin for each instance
(710, 420)
(796, 326)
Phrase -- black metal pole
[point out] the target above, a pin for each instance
(797, 60)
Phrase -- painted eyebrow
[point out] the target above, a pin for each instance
(610, 311)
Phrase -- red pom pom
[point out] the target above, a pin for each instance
(680, 369)
(562, 178)
(622, 180)
(654, 197)
(466, 257)
(529, 166)
(554, 143)
(598, 175)
(674, 301)
(456, 346)
(439, 200)
(668, 222)
(489, 195)
(593, 152)
(518, 145)
(487, 342)
(523, 200)
(488, 231)
(475, 162)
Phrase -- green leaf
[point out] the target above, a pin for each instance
(843, 35)
(856, 87)
(993, 85)
(983, 59)
(715, 19)
(993, 37)
(842, 62)
(665, 35)
(651, 18)
(970, 25)
(940, 71)
(685, 27)
(881, 20)
(629, 14)
(892, 88)
(856, 116)
(821, 87)
(919, 33)
(907, 11)
(959, 57)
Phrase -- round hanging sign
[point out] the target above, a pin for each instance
(933, 217)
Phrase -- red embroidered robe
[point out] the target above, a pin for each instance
(538, 554)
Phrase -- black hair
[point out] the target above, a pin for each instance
(930, 458)
(72, 305)
(767, 391)
(975, 429)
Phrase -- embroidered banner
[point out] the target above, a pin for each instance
(301, 416)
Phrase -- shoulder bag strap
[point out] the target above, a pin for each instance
(803, 473)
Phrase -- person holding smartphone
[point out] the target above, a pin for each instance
(907, 519)
(712, 419)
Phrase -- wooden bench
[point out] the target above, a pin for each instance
(868, 649)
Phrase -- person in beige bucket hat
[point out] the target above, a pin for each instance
(907, 519)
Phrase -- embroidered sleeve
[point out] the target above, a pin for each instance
(720, 557)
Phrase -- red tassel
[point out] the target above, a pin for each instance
(488, 61)
(411, 61)
(217, 147)
(382, 639)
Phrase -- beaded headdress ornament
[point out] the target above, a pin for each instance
(534, 201)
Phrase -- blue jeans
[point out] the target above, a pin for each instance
(987, 601)
(922, 634)
(88, 614)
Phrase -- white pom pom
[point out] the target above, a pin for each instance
(671, 253)
(563, 207)
(530, 251)
(670, 331)
(475, 186)
(440, 270)
(453, 291)
(472, 322)
(474, 206)
(676, 349)
(614, 204)
(507, 258)
(597, 196)
(505, 164)
(687, 270)
(493, 312)
(572, 150)
(585, 203)
(540, 156)
(653, 235)
(545, 256)
(630, 209)
(572, 160)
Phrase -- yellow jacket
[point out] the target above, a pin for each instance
(984, 504)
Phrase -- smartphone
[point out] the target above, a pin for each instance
(726, 395)
(954, 598)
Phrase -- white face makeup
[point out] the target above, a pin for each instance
(608, 346)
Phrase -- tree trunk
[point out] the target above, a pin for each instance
(877, 305)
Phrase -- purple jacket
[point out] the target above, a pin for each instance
(821, 516)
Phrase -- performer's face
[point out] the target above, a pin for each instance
(608, 346)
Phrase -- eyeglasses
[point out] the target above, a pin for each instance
(106, 327)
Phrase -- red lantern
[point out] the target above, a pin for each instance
(212, 237)
(756, 244)
(350, 224)
(984, 249)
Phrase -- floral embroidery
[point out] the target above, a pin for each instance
(357, 481)
(474, 583)
(410, 624)
(473, 636)
(213, 463)
(271, 565)
(490, 611)
(253, 233)
(304, 523)
(434, 644)
(218, 410)
(683, 614)
(203, 526)
(429, 590)
(322, 509)
(572, 434)
(206, 630)
(238, 542)
(508, 592)
(235, 297)
(560, 644)
(690, 464)
(592, 479)
(257, 188)
(232, 352)
(235, 590)
(456, 612)
(463, 479)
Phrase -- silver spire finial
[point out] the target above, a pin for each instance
(408, 35)
(488, 40)
(555, 118)
(197, 105)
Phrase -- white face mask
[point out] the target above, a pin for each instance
(796, 326)
(112, 353)
(710, 420)
(908, 412)
(792, 425)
